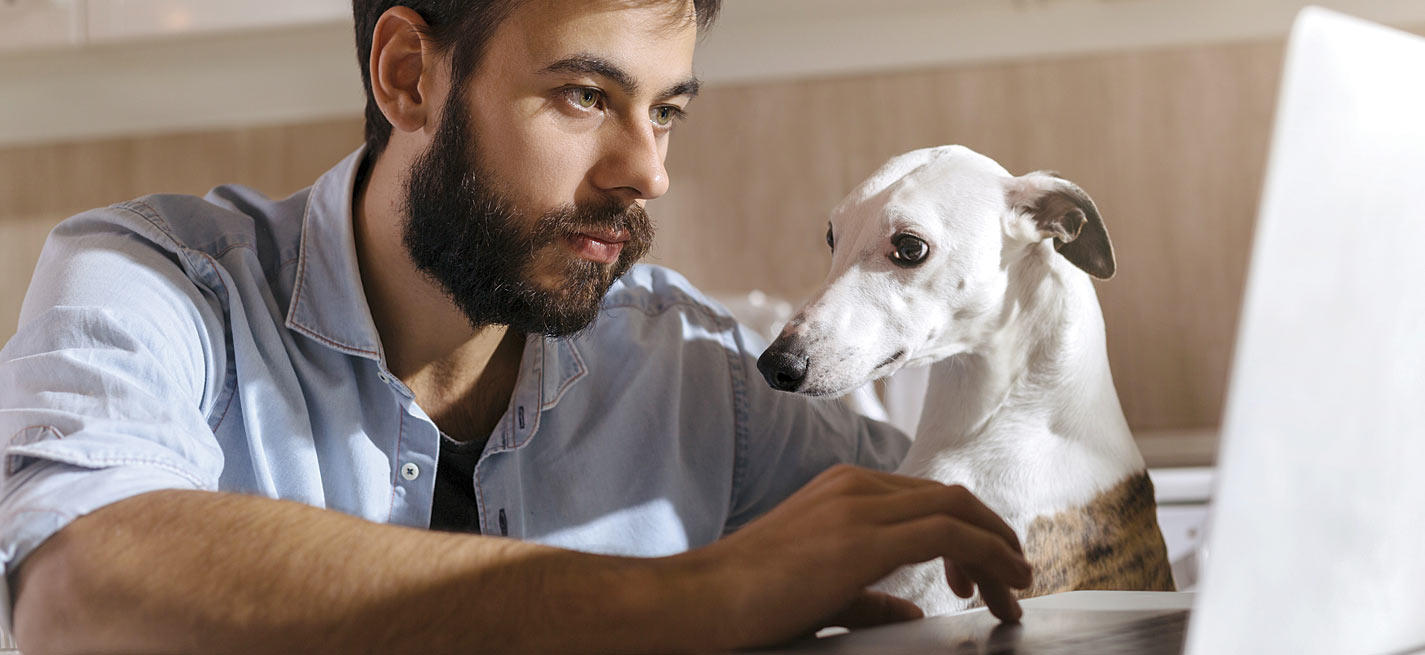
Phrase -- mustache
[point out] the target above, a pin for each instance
(572, 219)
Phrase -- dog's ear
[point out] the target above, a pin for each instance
(1060, 209)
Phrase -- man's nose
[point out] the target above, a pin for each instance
(632, 164)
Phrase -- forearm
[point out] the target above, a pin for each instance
(204, 572)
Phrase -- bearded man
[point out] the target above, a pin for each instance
(429, 404)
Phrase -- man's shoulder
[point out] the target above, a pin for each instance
(227, 217)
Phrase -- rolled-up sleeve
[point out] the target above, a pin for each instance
(786, 439)
(107, 388)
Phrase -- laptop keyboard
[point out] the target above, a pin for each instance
(1162, 633)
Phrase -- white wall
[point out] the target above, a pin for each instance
(761, 39)
(91, 68)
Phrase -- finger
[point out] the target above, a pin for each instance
(1001, 601)
(873, 608)
(953, 500)
(996, 595)
(962, 543)
(959, 582)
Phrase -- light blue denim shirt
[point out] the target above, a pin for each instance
(225, 343)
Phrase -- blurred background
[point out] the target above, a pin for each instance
(1160, 109)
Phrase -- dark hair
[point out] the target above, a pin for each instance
(462, 27)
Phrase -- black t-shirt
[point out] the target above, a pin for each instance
(453, 509)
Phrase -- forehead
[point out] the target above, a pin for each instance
(648, 36)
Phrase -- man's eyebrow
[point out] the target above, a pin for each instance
(591, 65)
(688, 87)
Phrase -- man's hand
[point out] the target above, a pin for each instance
(806, 564)
(210, 572)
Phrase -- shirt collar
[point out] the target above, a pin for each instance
(563, 366)
(328, 302)
(549, 368)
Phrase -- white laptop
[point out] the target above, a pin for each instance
(1317, 539)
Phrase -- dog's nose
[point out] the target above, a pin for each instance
(782, 368)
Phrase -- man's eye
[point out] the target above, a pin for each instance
(830, 242)
(664, 115)
(586, 98)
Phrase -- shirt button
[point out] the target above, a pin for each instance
(410, 471)
(385, 377)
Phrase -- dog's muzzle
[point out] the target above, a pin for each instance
(783, 365)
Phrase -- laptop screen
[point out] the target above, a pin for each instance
(1317, 542)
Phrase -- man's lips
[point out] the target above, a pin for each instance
(598, 245)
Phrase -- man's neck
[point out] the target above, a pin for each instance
(428, 342)
(464, 406)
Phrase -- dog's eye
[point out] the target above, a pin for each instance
(830, 243)
(910, 250)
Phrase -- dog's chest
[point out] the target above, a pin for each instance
(1021, 474)
(1112, 542)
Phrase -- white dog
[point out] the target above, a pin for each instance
(943, 256)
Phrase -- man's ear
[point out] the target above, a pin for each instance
(402, 69)
(1058, 208)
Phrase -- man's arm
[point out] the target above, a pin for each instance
(194, 571)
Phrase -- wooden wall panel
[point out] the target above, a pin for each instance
(65, 178)
(1171, 145)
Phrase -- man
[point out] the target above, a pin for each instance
(444, 331)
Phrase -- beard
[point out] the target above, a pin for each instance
(462, 234)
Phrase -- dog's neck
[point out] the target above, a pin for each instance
(1029, 420)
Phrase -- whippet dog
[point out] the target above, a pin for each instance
(943, 257)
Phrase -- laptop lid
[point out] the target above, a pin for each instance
(1317, 543)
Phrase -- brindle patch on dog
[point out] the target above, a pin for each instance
(1111, 543)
